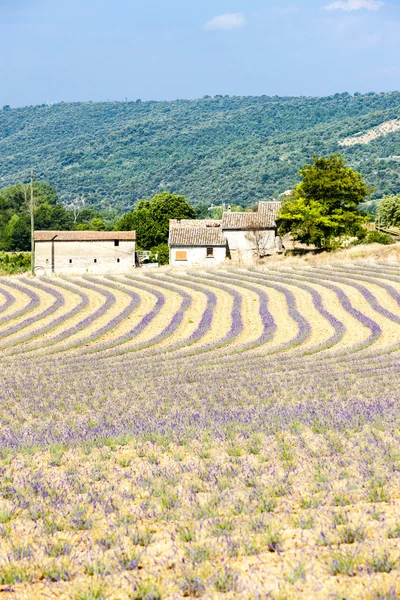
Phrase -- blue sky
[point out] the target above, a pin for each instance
(53, 50)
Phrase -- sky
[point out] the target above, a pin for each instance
(80, 50)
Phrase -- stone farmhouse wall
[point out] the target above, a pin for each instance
(80, 257)
(242, 245)
(184, 256)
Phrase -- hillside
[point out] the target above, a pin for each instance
(237, 149)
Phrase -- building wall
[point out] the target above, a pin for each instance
(79, 257)
(245, 240)
(196, 255)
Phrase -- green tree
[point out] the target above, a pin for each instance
(16, 236)
(162, 250)
(48, 216)
(14, 214)
(150, 219)
(324, 207)
(388, 211)
(98, 224)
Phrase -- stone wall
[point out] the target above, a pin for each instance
(77, 258)
(196, 256)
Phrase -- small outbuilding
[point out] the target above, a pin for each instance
(79, 252)
(196, 243)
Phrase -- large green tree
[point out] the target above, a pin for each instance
(324, 207)
(150, 218)
(14, 214)
(388, 211)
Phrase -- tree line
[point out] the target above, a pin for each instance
(327, 206)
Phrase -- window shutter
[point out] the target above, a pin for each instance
(181, 255)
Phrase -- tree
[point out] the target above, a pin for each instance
(150, 219)
(166, 206)
(324, 207)
(16, 236)
(54, 216)
(14, 214)
(98, 224)
(259, 238)
(162, 251)
(388, 211)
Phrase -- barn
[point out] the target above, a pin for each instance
(79, 252)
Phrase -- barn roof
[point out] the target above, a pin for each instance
(200, 236)
(264, 218)
(268, 212)
(194, 223)
(84, 236)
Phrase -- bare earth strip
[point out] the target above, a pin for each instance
(372, 134)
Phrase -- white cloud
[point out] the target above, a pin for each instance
(350, 5)
(227, 22)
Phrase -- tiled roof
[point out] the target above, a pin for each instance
(201, 236)
(84, 236)
(265, 218)
(268, 211)
(193, 223)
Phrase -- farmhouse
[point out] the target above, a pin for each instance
(196, 242)
(241, 237)
(78, 252)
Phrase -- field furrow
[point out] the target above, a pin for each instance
(216, 433)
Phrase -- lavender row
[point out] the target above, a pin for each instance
(236, 316)
(353, 274)
(173, 324)
(56, 305)
(304, 327)
(338, 327)
(34, 302)
(367, 294)
(134, 303)
(374, 328)
(27, 337)
(207, 316)
(123, 401)
(9, 299)
(86, 322)
(34, 345)
(267, 320)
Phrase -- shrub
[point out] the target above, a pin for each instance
(273, 541)
(226, 581)
(298, 573)
(13, 574)
(343, 564)
(92, 594)
(394, 533)
(146, 591)
(381, 564)
(376, 237)
(349, 535)
(192, 586)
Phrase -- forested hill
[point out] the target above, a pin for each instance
(234, 149)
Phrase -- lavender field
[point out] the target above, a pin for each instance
(223, 434)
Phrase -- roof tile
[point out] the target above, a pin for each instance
(201, 236)
(84, 236)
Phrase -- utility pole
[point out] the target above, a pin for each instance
(32, 211)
